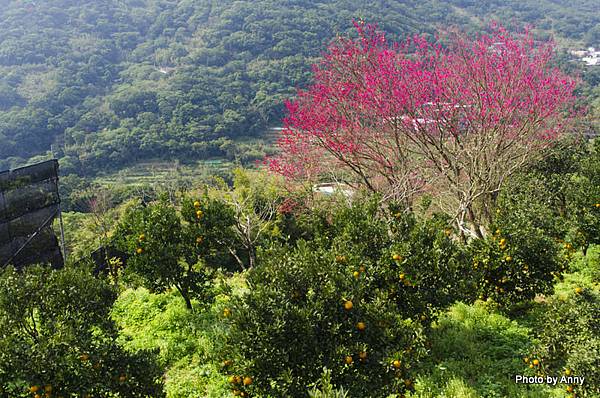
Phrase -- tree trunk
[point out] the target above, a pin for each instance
(186, 298)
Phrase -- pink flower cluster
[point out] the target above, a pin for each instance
(378, 108)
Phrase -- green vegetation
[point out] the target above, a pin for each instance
(108, 84)
(57, 338)
(476, 352)
(224, 281)
(346, 297)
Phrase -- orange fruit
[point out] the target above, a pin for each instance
(530, 366)
(423, 317)
(247, 380)
(37, 396)
(199, 239)
(48, 388)
(227, 362)
(508, 259)
(362, 268)
(348, 360)
(578, 290)
(361, 326)
(526, 360)
(139, 250)
(122, 378)
(397, 364)
(199, 214)
(348, 305)
(396, 257)
(231, 379)
(536, 362)
(356, 274)
(196, 204)
(34, 388)
(362, 355)
(568, 372)
(226, 312)
(569, 388)
(401, 276)
(142, 237)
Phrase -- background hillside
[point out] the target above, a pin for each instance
(110, 83)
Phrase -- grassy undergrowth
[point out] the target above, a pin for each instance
(187, 341)
(476, 352)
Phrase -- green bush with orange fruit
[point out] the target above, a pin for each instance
(58, 339)
(568, 333)
(168, 249)
(306, 310)
(518, 259)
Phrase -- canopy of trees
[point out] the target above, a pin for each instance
(108, 82)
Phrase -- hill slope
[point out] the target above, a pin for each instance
(109, 82)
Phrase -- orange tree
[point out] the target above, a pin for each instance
(58, 339)
(544, 214)
(171, 248)
(584, 199)
(519, 259)
(357, 298)
(569, 337)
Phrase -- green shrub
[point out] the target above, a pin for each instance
(295, 320)
(325, 389)
(165, 251)
(517, 260)
(57, 335)
(569, 333)
(584, 200)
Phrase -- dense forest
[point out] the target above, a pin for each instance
(106, 83)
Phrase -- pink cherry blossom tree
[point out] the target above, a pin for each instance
(401, 119)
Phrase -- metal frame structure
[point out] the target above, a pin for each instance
(28, 193)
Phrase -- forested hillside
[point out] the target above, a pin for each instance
(106, 83)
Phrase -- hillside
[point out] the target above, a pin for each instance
(107, 83)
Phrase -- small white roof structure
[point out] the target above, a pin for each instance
(331, 188)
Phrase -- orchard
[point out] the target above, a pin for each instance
(458, 247)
